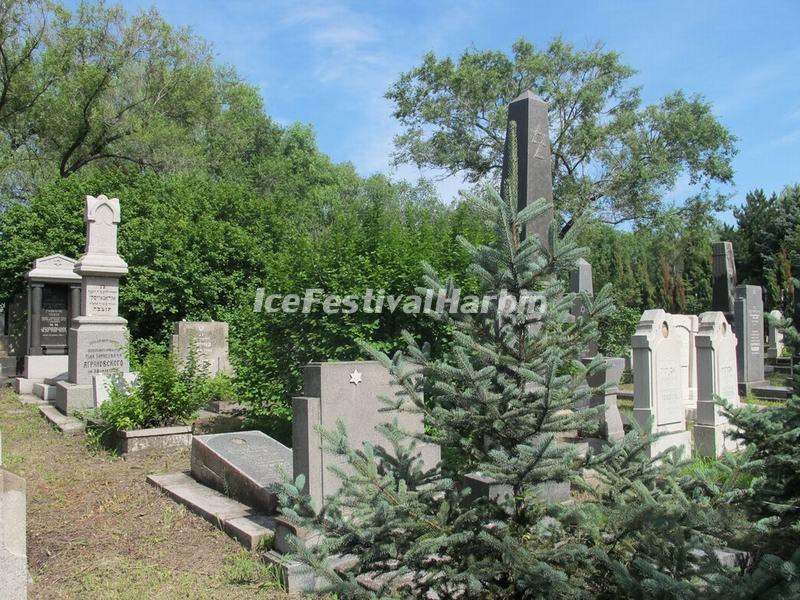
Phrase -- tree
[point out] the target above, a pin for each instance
(509, 386)
(612, 156)
(98, 86)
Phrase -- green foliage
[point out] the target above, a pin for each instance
(766, 244)
(454, 118)
(773, 437)
(497, 400)
(163, 395)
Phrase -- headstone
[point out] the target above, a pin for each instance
(102, 383)
(610, 419)
(716, 366)
(685, 328)
(749, 311)
(657, 381)
(53, 303)
(776, 345)
(348, 392)
(244, 465)
(209, 339)
(534, 174)
(98, 338)
(723, 269)
(580, 281)
(13, 543)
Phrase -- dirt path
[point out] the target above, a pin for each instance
(96, 529)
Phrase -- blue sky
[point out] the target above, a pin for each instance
(329, 63)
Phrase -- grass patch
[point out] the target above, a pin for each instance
(96, 529)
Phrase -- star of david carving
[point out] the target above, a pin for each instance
(539, 141)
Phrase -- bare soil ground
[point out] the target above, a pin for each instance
(96, 529)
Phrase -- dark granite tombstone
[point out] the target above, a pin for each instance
(749, 310)
(243, 465)
(723, 269)
(534, 174)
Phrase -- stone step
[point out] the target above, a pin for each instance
(31, 399)
(771, 392)
(68, 425)
(246, 525)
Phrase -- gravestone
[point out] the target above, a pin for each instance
(13, 543)
(723, 269)
(102, 383)
(348, 392)
(610, 419)
(775, 349)
(98, 338)
(580, 281)
(209, 339)
(657, 381)
(685, 328)
(243, 465)
(53, 303)
(716, 366)
(749, 311)
(534, 176)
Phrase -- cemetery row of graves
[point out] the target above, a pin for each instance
(540, 423)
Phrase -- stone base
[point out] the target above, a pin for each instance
(157, 438)
(13, 544)
(251, 528)
(297, 578)
(71, 397)
(67, 425)
(46, 367)
(680, 439)
(45, 391)
(710, 440)
(23, 385)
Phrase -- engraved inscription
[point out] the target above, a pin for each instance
(103, 356)
(54, 315)
(102, 300)
(539, 143)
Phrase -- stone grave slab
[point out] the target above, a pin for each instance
(243, 465)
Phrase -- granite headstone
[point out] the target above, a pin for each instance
(349, 392)
(245, 465)
(749, 311)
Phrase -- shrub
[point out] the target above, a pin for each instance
(164, 395)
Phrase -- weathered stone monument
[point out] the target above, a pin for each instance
(658, 385)
(13, 543)
(685, 328)
(775, 349)
(716, 366)
(723, 269)
(749, 317)
(98, 338)
(610, 419)
(54, 301)
(349, 392)
(534, 176)
(580, 281)
(12, 346)
(208, 339)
